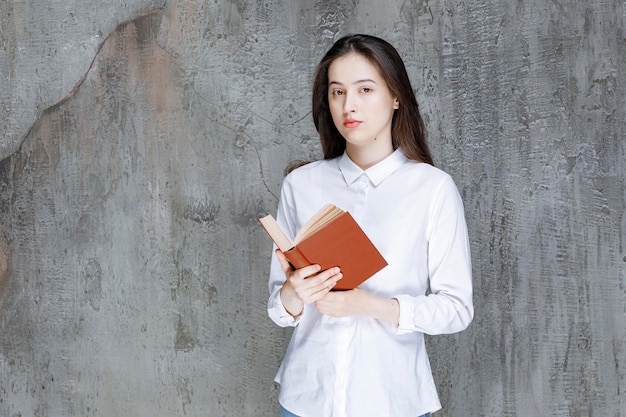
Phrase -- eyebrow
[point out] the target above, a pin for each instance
(365, 80)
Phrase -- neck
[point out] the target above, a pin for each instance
(366, 157)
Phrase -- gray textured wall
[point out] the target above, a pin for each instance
(140, 140)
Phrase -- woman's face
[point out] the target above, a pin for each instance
(360, 103)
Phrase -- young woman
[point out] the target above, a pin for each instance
(361, 353)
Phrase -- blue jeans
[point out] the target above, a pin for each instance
(286, 413)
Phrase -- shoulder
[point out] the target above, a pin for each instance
(426, 173)
(312, 169)
(308, 183)
(424, 180)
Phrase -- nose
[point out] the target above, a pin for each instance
(349, 104)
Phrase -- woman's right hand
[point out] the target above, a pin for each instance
(305, 285)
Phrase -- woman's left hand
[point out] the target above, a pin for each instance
(358, 302)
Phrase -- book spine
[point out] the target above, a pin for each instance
(296, 258)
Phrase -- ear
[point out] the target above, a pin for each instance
(396, 103)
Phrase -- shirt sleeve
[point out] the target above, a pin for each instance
(285, 218)
(449, 307)
(277, 311)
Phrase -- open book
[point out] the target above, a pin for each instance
(330, 238)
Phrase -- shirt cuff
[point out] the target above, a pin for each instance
(406, 323)
(283, 315)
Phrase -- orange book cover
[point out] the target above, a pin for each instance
(332, 238)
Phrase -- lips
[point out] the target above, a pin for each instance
(351, 123)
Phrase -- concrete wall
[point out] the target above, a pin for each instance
(140, 140)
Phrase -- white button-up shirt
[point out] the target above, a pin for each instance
(359, 366)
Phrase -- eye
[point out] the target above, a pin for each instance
(337, 92)
(366, 90)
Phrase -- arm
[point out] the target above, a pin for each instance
(449, 307)
(291, 290)
(359, 302)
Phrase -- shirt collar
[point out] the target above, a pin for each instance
(377, 173)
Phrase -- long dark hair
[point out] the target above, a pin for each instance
(407, 127)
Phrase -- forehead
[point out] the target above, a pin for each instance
(353, 67)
